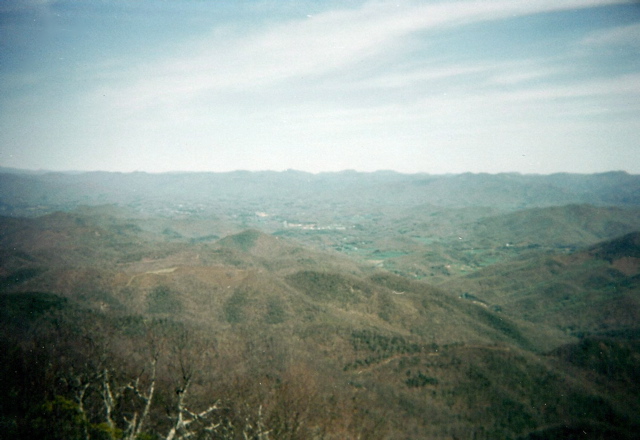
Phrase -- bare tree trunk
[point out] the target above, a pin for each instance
(259, 432)
(185, 419)
(80, 400)
(135, 425)
(109, 403)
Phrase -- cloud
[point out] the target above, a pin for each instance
(483, 109)
(526, 72)
(619, 86)
(628, 35)
(305, 49)
(318, 81)
(421, 75)
(309, 92)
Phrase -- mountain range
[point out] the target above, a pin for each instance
(299, 306)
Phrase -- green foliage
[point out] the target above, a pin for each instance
(58, 419)
(625, 246)
(132, 325)
(419, 380)
(29, 305)
(275, 311)
(163, 300)
(503, 325)
(233, 307)
(376, 347)
(392, 281)
(386, 306)
(518, 417)
(19, 276)
(577, 431)
(330, 286)
(243, 241)
(615, 359)
(389, 345)
(102, 431)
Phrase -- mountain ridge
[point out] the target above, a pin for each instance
(23, 193)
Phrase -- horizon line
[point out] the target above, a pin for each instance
(40, 171)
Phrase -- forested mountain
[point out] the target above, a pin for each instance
(330, 306)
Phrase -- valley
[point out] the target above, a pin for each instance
(319, 306)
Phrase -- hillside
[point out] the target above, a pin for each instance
(301, 342)
(338, 305)
(438, 244)
(625, 248)
(562, 226)
(592, 291)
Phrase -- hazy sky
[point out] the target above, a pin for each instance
(534, 86)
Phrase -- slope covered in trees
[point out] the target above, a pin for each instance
(339, 306)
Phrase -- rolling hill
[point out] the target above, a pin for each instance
(593, 290)
(274, 336)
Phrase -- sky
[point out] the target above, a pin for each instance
(449, 86)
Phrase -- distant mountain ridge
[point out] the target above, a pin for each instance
(25, 192)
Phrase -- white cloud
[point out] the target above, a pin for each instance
(526, 72)
(301, 49)
(421, 75)
(628, 35)
(483, 109)
(335, 90)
